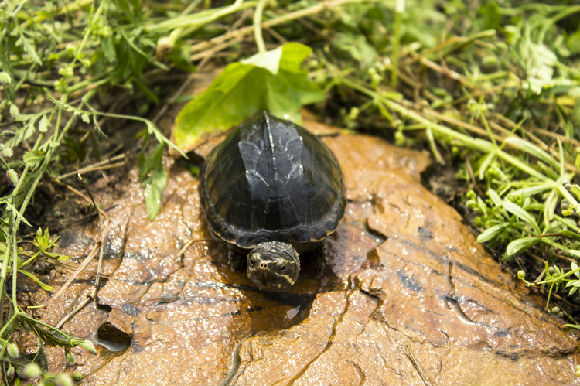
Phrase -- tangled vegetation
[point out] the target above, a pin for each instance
(491, 87)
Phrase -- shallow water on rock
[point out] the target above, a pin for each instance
(408, 296)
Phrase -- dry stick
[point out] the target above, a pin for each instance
(512, 125)
(178, 93)
(416, 364)
(461, 42)
(210, 52)
(239, 33)
(449, 73)
(81, 195)
(103, 165)
(403, 348)
(557, 136)
(474, 184)
(93, 295)
(73, 312)
(92, 168)
(81, 267)
(455, 122)
(408, 78)
(443, 70)
(276, 35)
(243, 17)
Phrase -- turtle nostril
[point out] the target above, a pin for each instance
(263, 265)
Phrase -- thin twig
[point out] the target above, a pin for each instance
(212, 52)
(83, 196)
(442, 70)
(73, 276)
(100, 262)
(109, 163)
(65, 318)
(454, 122)
(188, 243)
(416, 365)
(562, 138)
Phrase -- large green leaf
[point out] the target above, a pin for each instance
(272, 81)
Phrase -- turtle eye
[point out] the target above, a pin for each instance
(283, 268)
(253, 261)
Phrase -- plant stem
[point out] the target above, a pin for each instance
(14, 259)
(258, 26)
(399, 9)
(197, 20)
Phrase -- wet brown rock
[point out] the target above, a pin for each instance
(408, 297)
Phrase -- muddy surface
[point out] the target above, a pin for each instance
(409, 297)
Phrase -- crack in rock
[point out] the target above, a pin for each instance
(328, 344)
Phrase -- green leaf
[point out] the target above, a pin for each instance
(495, 198)
(5, 78)
(243, 89)
(532, 149)
(148, 162)
(153, 191)
(525, 192)
(46, 333)
(45, 287)
(519, 244)
(270, 60)
(109, 48)
(357, 47)
(540, 62)
(487, 160)
(30, 49)
(573, 42)
(43, 124)
(42, 239)
(520, 213)
(550, 206)
(33, 157)
(490, 233)
(152, 172)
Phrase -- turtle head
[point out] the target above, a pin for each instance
(273, 266)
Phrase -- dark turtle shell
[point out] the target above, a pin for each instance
(271, 180)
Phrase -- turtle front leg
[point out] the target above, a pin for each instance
(323, 260)
(317, 256)
(237, 257)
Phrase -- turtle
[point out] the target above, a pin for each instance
(272, 191)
